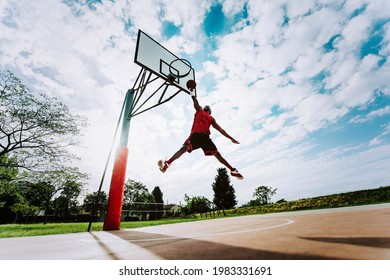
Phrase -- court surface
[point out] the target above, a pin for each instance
(357, 233)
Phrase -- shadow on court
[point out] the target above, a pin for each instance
(173, 248)
(376, 242)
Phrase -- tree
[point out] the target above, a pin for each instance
(66, 204)
(35, 132)
(159, 206)
(44, 186)
(224, 193)
(137, 199)
(263, 194)
(40, 195)
(9, 190)
(8, 173)
(34, 128)
(196, 204)
(101, 203)
(25, 210)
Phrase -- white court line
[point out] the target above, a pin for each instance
(286, 223)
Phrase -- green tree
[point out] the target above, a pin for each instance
(35, 130)
(159, 206)
(66, 204)
(40, 195)
(9, 189)
(196, 204)
(49, 184)
(24, 210)
(263, 194)
(224, 193)
(137, 199)
(92, 201)
(9, 195)
(8, 173)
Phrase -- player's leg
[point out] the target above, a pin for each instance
(163, 165)
(178, 154)
(222, 160)
(234, 172)
(209, 148)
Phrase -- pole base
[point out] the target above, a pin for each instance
(115, 199)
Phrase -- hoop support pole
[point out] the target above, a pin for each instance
(115, 198)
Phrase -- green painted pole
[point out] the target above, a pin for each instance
(126, 119)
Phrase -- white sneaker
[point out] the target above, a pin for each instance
(236, 174)
(163, 165)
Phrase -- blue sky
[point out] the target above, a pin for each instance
(303, 85)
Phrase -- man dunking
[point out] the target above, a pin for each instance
(200, 138)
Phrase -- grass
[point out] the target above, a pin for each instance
(20, 230)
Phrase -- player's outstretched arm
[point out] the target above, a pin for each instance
(196, 103)
(223, 132)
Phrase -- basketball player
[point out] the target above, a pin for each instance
(200, 138)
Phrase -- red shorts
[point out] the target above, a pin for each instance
(203, 141)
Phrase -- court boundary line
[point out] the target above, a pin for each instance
(286, 223)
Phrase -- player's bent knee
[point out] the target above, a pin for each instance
(184, 148)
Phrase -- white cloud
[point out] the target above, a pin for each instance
(381, 138)
(377, 9)
(372, 115)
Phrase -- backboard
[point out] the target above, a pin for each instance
(154, 57)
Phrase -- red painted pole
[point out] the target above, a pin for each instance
(115, 196)
(113, 217)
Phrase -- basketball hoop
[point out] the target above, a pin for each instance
(160, 61)
(177, 65)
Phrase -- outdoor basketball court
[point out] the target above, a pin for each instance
(353, 233)
(358, 233)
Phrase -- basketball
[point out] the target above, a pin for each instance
(191, 84)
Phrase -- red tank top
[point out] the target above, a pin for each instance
(202, 122)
